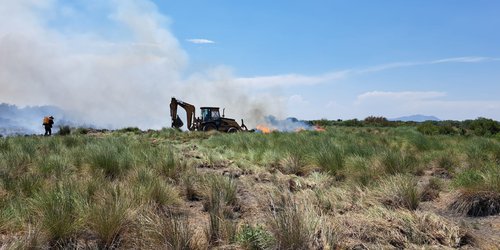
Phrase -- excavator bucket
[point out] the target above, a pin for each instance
(177, 123)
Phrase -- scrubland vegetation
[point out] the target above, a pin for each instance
(344, 188)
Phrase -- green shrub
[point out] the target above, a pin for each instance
(483, 126)
(428, 128)
(134, 130)
(70, 141)
(254, 237)
(81, 131)
(64, 130)
(4, 145)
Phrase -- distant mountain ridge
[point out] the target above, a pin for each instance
(416, 118)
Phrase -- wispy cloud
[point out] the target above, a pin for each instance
(299, 79)
(404, 95)
(467, 59)
(200, 41)
(290, 79)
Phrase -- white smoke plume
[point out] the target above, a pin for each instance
(121, 75)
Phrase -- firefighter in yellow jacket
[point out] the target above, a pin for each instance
(47, 123)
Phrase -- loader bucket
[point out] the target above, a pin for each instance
(177, 123)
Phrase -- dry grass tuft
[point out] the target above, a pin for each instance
(293, 223)
(477, 203)
(400, 191)
(382, 228)
(168, 230)
(110, 217)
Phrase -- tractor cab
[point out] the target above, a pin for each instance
(209, 114)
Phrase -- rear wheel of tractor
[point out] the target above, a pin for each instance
(209, 127)
(232, 130)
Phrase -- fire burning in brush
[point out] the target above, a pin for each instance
(288, 125)
(319, 128)
(264, 129)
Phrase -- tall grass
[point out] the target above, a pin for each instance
(155, 191)
(219, 203)
(171, 231)
(122, 189)
(293, 224)
(59, 212)
(330, 158)
(109, 217)
(112, 158)
(400, 191)
(396, 162)
(360, 170)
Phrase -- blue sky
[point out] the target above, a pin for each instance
(315, 37)
(319, 59)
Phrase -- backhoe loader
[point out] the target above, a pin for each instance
(210, 118)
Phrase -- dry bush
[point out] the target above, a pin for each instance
(477, 203)
(479, 192)
(383, 228)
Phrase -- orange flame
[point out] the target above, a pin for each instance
(264, 129)
(319, 128)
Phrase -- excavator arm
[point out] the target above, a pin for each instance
(190, 112)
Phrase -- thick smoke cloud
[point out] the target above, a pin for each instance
(117, 80)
